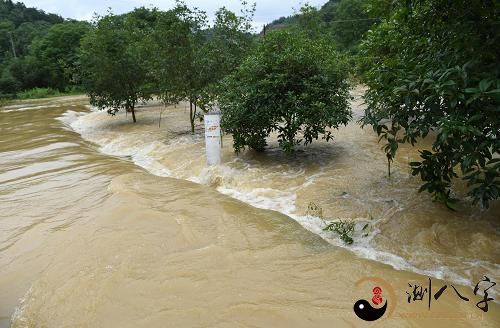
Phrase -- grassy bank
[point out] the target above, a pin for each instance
(38, 93)
(5, 102)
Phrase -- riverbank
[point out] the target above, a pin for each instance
(34, 97)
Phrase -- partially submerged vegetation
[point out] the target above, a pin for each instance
(290, 84)
(172, 55)
(433, 66)
(344, 229)
(175, 55)
(36, 93)
(428, 65)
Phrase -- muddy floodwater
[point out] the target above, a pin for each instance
(106, 223)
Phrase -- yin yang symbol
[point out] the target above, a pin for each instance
(365, 311)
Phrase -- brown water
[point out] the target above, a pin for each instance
(88, 238)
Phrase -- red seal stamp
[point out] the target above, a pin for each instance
(377, 296)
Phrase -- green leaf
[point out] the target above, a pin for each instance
(451, 204)
(496, 91)
(484, 85)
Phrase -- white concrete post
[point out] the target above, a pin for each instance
(213, 139)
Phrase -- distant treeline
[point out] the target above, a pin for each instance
(37, 49)
(42, 50)
(344, 21)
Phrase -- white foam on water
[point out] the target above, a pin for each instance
(140, 157)
(226, 179)
(19, 108)
(280, 201)
(18, 314)
(363, 247)
(68, 118)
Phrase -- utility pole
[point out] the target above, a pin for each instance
(12, 44)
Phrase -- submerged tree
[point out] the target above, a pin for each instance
(187, 58)
(434, 67)
(289, 84)
(227, 44)
(171, 50)
(113, 71)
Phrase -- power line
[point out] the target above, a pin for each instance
(354, 20)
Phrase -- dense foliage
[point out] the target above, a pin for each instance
(57, 54)
(289, 84)
(434, 69)
(113, 71)
(174, 52)
(431, 68)
(37, 50)
(173, 55)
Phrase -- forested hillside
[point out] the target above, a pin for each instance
(37, 49)
(42, 50)
(344, 21)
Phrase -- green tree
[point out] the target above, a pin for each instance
(37, 49)
(345, 22)
(227, 44)
(17, 13)
(289, 84)
(114, 73)
(27, 73)
(187, 59)
(382, 9)
(6, 37)
(168, 53)
(309, 21)
(434, 67)
(175, 47)
(218, 53)
(328, 10)
(8, 84)
(352, 21)
(26, 33)
(58, 53)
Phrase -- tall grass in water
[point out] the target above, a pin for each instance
(37, 93)
(5, 102)
(47, 92)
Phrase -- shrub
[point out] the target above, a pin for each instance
(291, 84)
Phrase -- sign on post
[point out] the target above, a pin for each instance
(213, 142)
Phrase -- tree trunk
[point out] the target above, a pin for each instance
(290, 136)
(191, 115)
(133, 113)
(195, 110)
(159, 121)
(389, 160)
